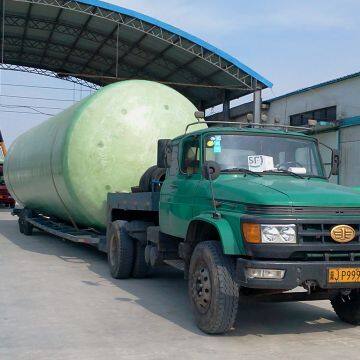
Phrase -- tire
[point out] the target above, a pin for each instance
(120, 251)
(27, 228)
(347, 307)
(21, 228)
(152, 173)
(24, 226)
(145, 180)
(212, 274)
(140, 269)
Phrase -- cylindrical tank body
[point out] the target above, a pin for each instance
(66, 166)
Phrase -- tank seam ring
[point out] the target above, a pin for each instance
(55, 187)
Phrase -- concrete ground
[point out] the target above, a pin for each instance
(57, 301)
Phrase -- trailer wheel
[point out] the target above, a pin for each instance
(213, 291)
(24, 226)
(27, 228)
(347, 307)
(21, 228)
(141, 268)
(120, 250)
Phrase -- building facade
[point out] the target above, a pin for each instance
(335, 102)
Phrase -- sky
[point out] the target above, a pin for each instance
(293, 44)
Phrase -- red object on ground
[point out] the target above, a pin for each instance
(5, 197)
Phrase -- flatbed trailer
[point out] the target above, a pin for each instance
(28, 220)
(146, 202)
(143, 207)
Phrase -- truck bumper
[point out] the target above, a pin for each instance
(295, 274)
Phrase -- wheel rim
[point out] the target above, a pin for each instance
(201, 288)
(113, 250)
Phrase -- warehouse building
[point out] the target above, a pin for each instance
(335, 105)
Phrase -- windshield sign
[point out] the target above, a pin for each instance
(264, 154)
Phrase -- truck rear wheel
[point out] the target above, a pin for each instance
(141, 269)
(213, 291)
(347, 307)
(120, 251)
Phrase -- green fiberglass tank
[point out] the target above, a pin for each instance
(66, 166)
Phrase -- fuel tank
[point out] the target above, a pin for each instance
(66, 166)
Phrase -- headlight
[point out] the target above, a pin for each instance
(278, 234)
(269, 234)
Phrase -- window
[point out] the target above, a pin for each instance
(190, 162)
(174, 167)
(325, 114)
(232, 152)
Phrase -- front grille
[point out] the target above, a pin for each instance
(300, 210)
(320, 233)
(324, 256)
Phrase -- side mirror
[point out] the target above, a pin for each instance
(164, 153)
(335, 162)
(211, 170)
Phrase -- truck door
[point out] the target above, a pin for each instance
(179, 189)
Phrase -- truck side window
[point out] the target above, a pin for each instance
(174, 167)
(190, 162)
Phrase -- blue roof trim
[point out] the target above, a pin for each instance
(181, 33)
(334, 81)
(352, 121)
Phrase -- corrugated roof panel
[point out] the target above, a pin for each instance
(81, 36)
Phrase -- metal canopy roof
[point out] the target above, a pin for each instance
(98, 43)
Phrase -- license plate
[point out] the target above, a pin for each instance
(344, 275)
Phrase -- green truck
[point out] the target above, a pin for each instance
(247, 212)
(242, 232)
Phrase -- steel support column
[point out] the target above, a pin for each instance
(226, 106)
(257, 105)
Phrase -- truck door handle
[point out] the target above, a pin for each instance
(173, 186)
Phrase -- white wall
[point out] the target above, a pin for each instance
(345, 95)
(350, 156)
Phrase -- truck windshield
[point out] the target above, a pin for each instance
(264, 154)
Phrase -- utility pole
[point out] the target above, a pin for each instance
(257, 104)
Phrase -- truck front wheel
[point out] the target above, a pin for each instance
(120, 250)
(347, 307)
(213, 291)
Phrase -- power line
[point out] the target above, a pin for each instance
(36, 107)
(36, 98)
(27, 107)
(45, 87)
(25, 112)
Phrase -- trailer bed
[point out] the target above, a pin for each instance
(67, 232)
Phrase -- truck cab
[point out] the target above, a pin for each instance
(252, 214)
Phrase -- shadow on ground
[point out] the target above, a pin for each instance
(165, 293)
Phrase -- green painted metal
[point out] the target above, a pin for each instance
(185, 198)
(284, 191)
(225, 231)
(66, 166)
